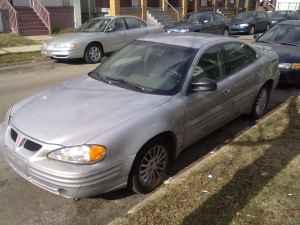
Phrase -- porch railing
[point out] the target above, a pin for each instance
(12, 14)
(168, 6)
(42, 13)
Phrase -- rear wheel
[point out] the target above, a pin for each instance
(150, 167)
(252, 30)
(261, 103)
(226, 32)
(93, 53)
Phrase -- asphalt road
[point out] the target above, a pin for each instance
(23, 203)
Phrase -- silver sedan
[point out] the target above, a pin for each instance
(97, 37)
(125, 122)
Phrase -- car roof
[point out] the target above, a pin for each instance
(291, 22)
(114, 17)
(189, 40)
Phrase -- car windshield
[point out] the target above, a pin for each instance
(199, 18)
(95, 25)
(282, 34)
(147, 67)
(244, 15)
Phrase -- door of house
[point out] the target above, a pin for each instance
(153, 3)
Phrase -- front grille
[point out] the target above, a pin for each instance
(32, 146)
(13, 135)
(28, 144)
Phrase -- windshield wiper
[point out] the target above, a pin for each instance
(287, 43)
(130, 85)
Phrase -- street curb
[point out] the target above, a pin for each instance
(191, 168)
(25, 66)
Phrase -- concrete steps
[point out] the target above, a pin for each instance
(29, 23)
(163, 18)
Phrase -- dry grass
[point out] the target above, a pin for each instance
(20, 58)
(13, 40)
(254, 180)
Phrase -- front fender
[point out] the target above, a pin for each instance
(126, 140)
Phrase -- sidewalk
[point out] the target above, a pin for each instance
(254, 179)
(20, 44)
(20, 49)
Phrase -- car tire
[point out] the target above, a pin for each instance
(150, 167)
(268, 27)
(252, 30)
(226, 32)
(93, 53)
(261, 103)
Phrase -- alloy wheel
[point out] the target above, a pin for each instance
(261, 102)
(94, 54)
(153, 166)
(252, 30)
(226, 33)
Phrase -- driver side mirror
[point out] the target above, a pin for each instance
(204, 84)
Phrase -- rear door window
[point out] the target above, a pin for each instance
(237, 56)
(133, 23)
(209, 65)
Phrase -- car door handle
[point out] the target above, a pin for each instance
(227, 92)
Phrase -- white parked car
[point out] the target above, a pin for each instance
(98, 36)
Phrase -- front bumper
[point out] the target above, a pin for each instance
(67, 180)
(289, 77)
(239, 30)
(58, 53)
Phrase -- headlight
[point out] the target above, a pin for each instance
(244, 25)
(84, 154)
(183, 30)
(289, 66)
(68, 45)
(274, 21)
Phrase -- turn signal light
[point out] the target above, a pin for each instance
(97, 152)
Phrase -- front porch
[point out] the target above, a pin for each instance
(177, 8)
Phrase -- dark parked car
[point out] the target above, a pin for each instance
(205, 22)
(284, 38)
(279, 16)
(249, 23)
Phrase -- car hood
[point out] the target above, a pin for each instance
(286, 53)
(74, 37)
(78, 110)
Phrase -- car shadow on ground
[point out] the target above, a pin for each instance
(203, 147)
(69, 62)
(219, 209)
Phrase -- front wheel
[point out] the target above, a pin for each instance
(93, 54)
(261, 103)
(226, 33)
(252, 30)
(150, 167)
